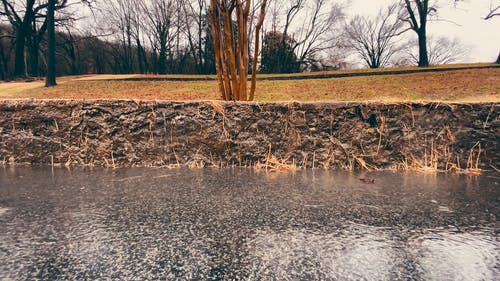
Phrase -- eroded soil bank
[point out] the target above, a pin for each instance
(322, 135)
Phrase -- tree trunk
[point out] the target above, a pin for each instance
(423, 56)
(72, 54)
(3, 63)
(33, 55)
(218, 55)
(145, 60)
(256, 51)
(140, 61)
(19, 60)
(129, 56)
(162, 60)
(232, 48)
(51, 52)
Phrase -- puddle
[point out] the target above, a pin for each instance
(226, 224)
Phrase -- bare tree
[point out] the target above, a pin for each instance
(232, 46)
(34, 39)
(320, 32)
(418, 14)
(196, 22)
(137, 33)
(494, 11)
(6, 49)
(50, 21)
(442, 50)
(161, 19)
(29, 21)
(119, 18)
(21, 17)
(293, 9)
(373, 38)
(313, 26)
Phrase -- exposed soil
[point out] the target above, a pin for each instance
(321, 135)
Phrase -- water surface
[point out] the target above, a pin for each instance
(227, 224)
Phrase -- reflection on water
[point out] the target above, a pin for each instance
(367, 253)
(456, 256)
(353, 253)
(150, 224)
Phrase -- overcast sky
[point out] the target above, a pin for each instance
(482, 36)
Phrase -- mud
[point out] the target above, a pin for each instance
(320, 135)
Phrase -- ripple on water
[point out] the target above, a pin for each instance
(92, 246)
(3, 211)
(356, 253)
(456, 256)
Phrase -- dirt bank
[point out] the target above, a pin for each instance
(331, 135)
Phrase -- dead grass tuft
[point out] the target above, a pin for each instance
(273, 164)
(434, 158)
(217, 108)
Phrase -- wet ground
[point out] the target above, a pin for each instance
(209, 224)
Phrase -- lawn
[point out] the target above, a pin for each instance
(477, 85)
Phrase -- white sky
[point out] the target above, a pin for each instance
(482, 36)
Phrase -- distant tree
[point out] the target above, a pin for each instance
(208, 50)
(161, 22)
(29, 22)
(319, 29)
(294, 7)
(34, 39)
(197, 32)
(119, 18)
(50, 22)
(373, 38)
(418, 14)
(277, 57)
(21, 17)
(6, 48)
(442, 50)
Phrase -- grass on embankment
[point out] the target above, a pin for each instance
(478, 85)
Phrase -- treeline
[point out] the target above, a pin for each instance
(156, 36)
(118, 37)
(89, 54)
(175, 36)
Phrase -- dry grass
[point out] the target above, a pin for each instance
(480, 85)
(466, 85)
(364, 70)
(434, 158)
(273, 164)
